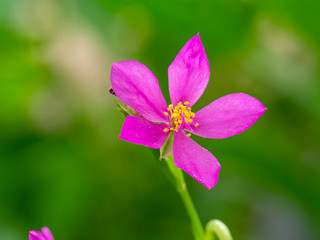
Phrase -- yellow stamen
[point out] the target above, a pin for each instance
(189, 135)
(166, 129)
(196, 125)
(179, 113)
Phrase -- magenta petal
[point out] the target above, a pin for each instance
(189, 73)
(35, 235)
(144, 132)
(228, 116)
(47, 233)
(135, 85)
(195, 160)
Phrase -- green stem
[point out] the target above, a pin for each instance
(181, 187)
(216, 229)
(195, 221)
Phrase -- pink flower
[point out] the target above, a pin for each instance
(44, 235)
(136, 86)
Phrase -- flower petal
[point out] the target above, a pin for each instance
(47, 233)
(135, 85)
(195, 160)
(228, 116)
(189, 73)
(35, 235)
(141, 131)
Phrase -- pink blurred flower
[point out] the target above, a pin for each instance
(136, 86)
(44, 235)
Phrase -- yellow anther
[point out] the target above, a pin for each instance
(166, 129)
(178, 114)
(189, 135)
(196, 125)
(175, 115)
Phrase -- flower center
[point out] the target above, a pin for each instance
(180, 117)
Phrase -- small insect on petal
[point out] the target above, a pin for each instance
(189, 135)
(166, 129)
(112, 91)
(196, 125)
(165, 113)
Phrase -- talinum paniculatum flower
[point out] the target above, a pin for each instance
(136, 86)
(45, 234)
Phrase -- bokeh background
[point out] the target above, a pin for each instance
(62, 165)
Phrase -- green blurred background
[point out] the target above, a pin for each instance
(62, 165)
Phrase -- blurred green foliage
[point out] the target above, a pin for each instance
(62, 165)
